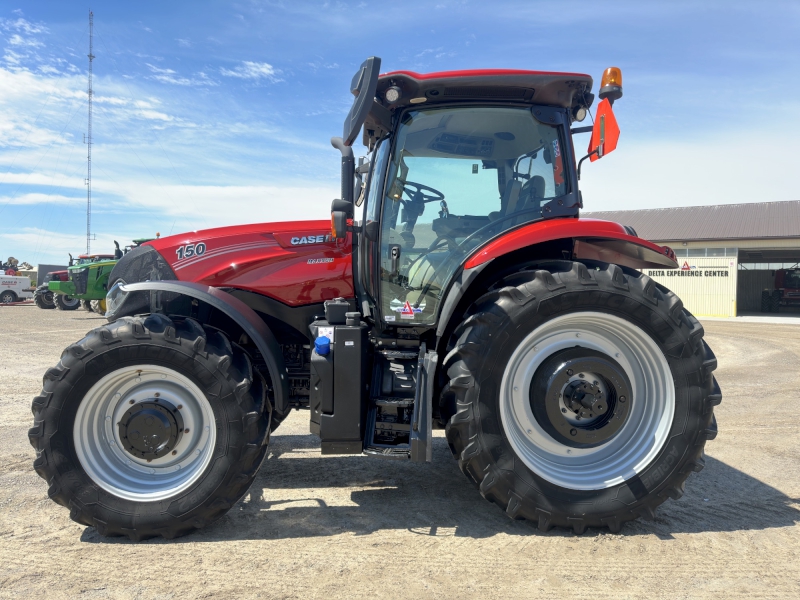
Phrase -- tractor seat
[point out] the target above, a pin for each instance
(530, 196)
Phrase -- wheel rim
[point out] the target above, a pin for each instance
(7, 298)
(650, 409)
(70, 301)
(109, 459)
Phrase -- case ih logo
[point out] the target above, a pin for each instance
(311, 239)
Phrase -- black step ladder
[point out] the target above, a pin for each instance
(399, 416)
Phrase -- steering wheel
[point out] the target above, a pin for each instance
(418, 193)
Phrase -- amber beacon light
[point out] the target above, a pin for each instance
(611, 84)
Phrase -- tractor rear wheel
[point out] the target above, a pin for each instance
(581, 395)
(43, 297)
(775, 301)
(66, 302)
(150, 426)
(765, 303)
(98, 306)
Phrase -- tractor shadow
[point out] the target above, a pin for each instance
(300, 494)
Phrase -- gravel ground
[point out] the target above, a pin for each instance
(342, 527)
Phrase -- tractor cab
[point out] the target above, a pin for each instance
(458, 158)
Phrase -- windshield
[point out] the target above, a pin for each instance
(792, 280)
(457, 177)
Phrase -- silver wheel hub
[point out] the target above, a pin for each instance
(646, 416)
(144, 433)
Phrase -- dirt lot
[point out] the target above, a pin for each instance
(336, 527)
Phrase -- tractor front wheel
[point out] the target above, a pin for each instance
(44, 298)
(581, 395)
(63, 302)
(150, 426)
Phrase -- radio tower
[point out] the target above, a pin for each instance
(88, 141)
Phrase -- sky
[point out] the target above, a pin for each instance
(218, 113)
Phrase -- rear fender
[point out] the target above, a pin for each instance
(593, 239)
(235, 309)
(588, 239)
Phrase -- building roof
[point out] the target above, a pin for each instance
(721, 222)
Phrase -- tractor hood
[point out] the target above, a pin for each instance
(297, 263)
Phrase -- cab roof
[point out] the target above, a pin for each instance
(564, 90)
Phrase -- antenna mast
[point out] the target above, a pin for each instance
(88, 141)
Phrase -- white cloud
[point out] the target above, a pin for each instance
(155, 115)
(22, 25)
(252, 70)
(171, 76)
(41, 198)
(111, 100)
(18, 40)
(44, 246)
(155, 69)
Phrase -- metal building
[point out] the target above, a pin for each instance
(729, 254)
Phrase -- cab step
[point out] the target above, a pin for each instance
(399, 412)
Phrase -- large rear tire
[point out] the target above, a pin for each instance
(775, 301)
(765, 303)
(98, 306)
(66, 302)
(43, 297)
(150, 426)
(581, 395)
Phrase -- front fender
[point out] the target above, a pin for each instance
(243, 315)
(594, 239)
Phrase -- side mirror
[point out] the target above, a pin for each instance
(363, 87)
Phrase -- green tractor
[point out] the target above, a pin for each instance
(88, 280)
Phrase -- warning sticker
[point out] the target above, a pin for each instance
(407, 311)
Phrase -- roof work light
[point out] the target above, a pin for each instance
(611, 84)
(392, 94)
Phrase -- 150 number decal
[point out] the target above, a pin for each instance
(190, 250)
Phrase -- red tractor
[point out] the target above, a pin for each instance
(454, 287)
(44, 298)
(786, 292)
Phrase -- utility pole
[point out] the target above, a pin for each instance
(88, 141)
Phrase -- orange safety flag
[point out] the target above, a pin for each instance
(605, 133)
